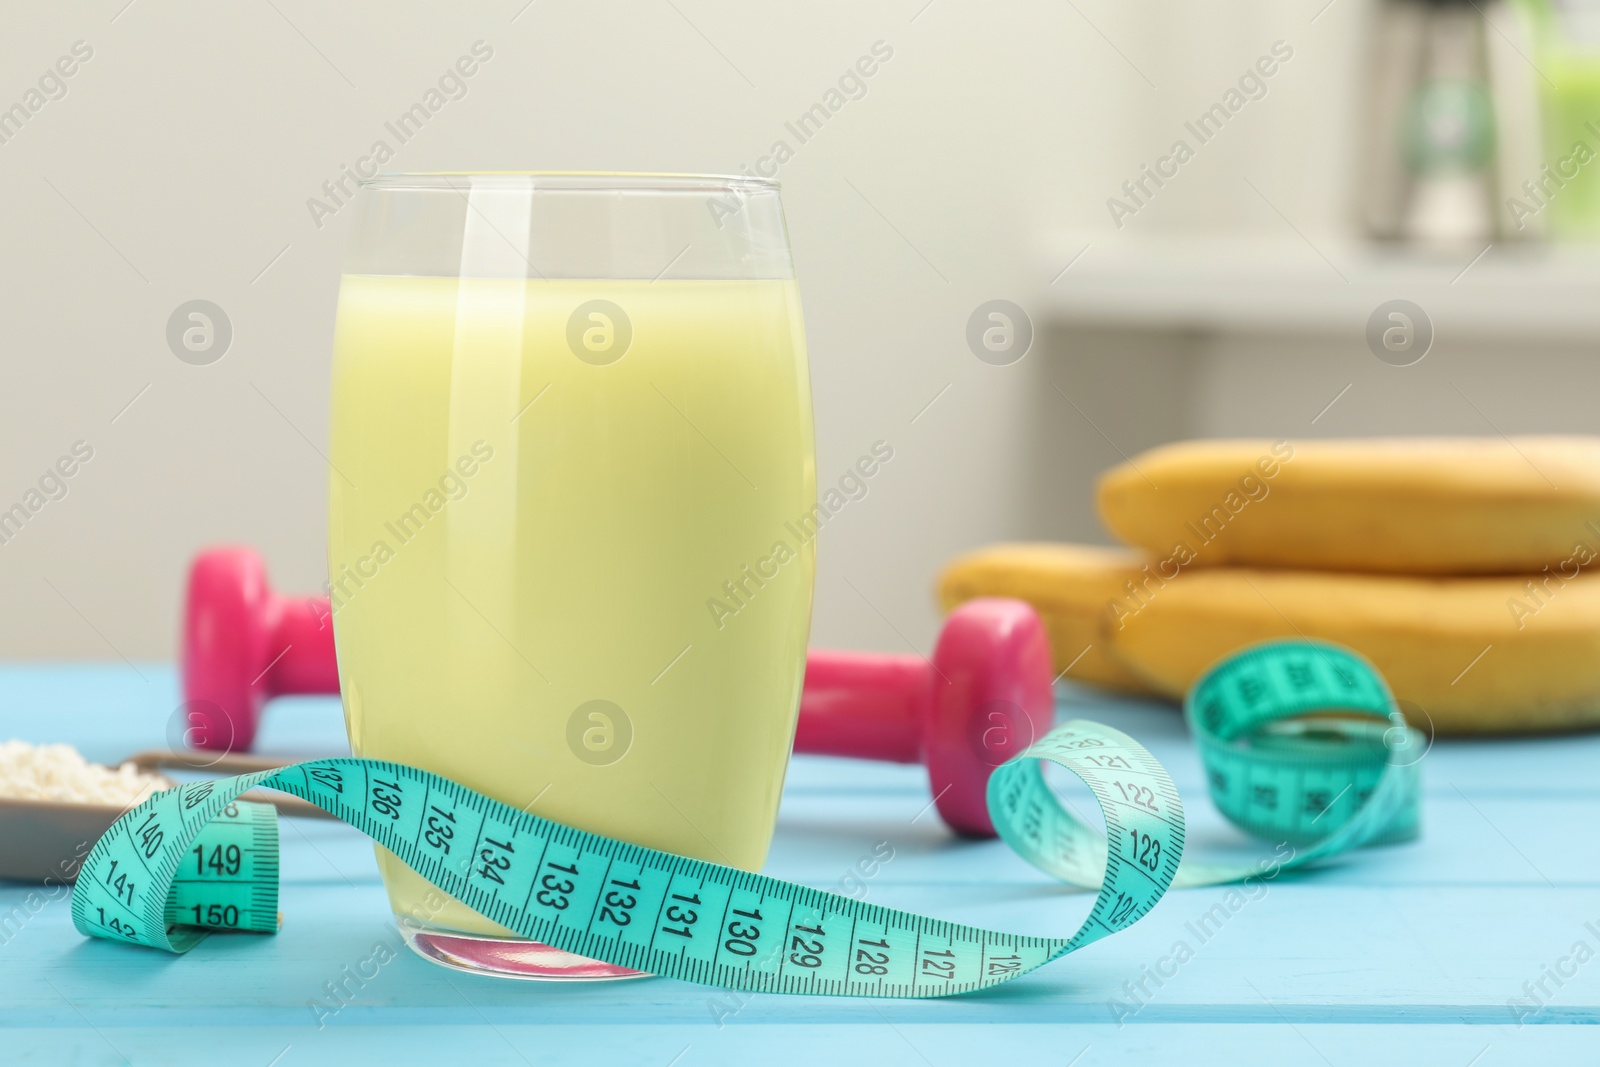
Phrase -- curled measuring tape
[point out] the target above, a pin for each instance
(195, 858)
(1303, 745)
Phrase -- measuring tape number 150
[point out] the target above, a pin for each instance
(195, 858)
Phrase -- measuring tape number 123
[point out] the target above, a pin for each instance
(195, 858)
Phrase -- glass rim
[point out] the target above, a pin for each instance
(569, 180)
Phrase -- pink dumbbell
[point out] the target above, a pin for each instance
(244, 644)
(982, 698)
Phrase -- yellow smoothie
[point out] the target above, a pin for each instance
(569, 550)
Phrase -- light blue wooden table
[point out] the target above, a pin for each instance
(1407, 954)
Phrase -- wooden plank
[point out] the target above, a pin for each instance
(399, 1043)
(1415, 947)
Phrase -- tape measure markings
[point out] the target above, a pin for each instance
(1297, 770)
(588, 894)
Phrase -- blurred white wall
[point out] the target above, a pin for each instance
(179, 162)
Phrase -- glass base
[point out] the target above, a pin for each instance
(506, 957)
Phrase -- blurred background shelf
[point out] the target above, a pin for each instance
(1242, 285)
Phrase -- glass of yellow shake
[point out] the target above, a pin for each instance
(571, 436)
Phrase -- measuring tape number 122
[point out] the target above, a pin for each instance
(195, 858)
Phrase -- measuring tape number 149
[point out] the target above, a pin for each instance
(195, 858)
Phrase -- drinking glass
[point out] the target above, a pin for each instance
(571, 483)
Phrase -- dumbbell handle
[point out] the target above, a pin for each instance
(307, 665)
(864, 705)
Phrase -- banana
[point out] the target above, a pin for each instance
(1401, 506)
(1484, 654)
(1471, 655)
(1071, 586)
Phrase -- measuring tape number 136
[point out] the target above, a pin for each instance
(195, 858)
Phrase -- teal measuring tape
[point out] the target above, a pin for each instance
(195, 858)
(1303, 744)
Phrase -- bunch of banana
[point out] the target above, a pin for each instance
(1460, 567)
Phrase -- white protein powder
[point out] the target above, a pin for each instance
(59, 772)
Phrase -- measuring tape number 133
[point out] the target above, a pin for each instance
(195, 858)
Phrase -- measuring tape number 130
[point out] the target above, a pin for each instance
(195, 858)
